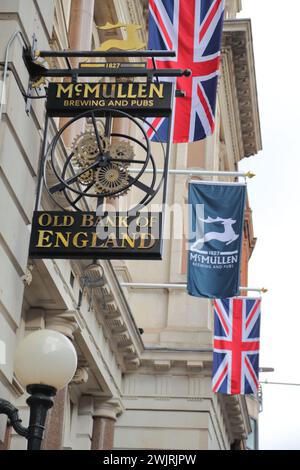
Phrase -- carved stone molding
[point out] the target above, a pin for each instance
(81, 376)
(27, 277)
(237, 37)
(107, 408)
(64, 322)
(174, 362)
(162, 365)
(194, 365)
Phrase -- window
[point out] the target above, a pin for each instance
(252, 439)
(72, 278)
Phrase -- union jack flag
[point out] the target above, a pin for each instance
(236, 345)
(193, 28)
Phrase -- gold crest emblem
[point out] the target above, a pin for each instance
(131, 43)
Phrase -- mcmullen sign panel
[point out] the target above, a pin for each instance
(138, 99)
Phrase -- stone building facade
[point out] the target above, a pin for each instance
(149, 391)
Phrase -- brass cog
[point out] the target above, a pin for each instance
(85, 148)
(122, 150)
(112, 177)
(86, 178)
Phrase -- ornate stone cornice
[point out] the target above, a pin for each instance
(236, 416)
(237, 38)
(113, 312)
(232, 7)
(187, 361)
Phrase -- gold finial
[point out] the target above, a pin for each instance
(249, 174)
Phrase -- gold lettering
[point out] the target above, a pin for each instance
(80, 243)
(105, 89)
(111, 241)
(63, 238)
(88, 220)
(110, 222)
(144, 237)
(47, 222)
(126, 238)
(120, 93)
(123, 222)
(91, 89)
(94, 240)
(142, 91)
(78, 88)
(156, 89)
(44, 236)
(130, 91)
(62, 88)
(67, 221)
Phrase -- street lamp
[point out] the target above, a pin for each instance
(266, 369)
(45, 361)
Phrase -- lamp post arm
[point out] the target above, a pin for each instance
(13, 414)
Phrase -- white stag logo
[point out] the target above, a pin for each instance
(228, 236)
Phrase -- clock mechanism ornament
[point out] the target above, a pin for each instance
(112, 177)
(101, 164)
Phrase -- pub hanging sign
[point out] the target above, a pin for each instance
(139, 99)
(86, 235)
(99, 164)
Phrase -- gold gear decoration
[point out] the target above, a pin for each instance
(112, 177)
(85, 148)
(122, 150)
(86, 178)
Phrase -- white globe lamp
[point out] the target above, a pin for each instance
(45, 361)
(45, 357)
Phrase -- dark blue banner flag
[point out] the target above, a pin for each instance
(215, 239)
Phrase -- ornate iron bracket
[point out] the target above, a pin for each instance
(13, 415)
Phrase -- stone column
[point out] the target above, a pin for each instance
(53, 439)
(104, 418)
(81, 26)
(80, 38)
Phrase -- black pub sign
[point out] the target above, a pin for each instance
(139, 99)
(86, 235)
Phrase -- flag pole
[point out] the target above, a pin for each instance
(169, 285)
(266, 382)
(195, 172)
(263, 290)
